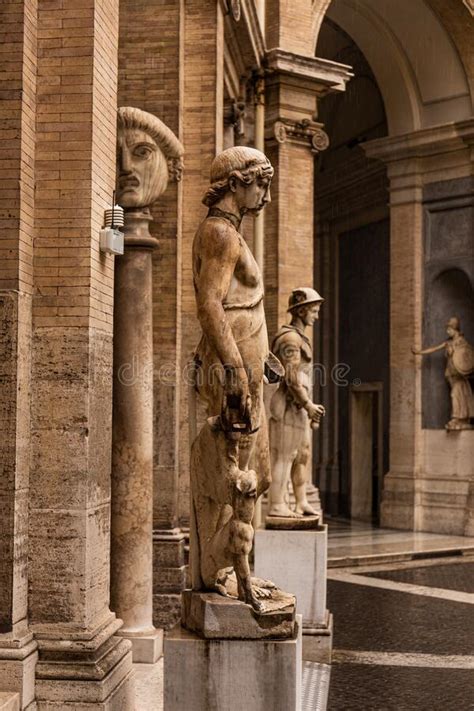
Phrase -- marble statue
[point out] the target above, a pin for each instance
(459, 366)
(292, 413)
(149, 154)
(230, 465)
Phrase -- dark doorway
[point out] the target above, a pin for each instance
(364, 321)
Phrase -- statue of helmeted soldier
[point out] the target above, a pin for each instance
(293, 413)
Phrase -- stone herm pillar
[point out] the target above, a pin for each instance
(148, 154)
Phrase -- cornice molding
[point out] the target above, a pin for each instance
(322, 75)
(422, 144)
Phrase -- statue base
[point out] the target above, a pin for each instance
(290, 523)
(213, 616)
(255, 675)
(297, 560)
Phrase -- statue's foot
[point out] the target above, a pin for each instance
(306, 509)
(262, 583)
(257, 605)
(282, 510)
(221, 590)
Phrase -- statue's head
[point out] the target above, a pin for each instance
(305, 303)
(148, 155)
(246, 174)
(453, 326)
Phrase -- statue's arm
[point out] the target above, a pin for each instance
(289, 352)
(219, 251)
(432, 349)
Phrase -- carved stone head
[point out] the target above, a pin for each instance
(149, 154)
(246, 173)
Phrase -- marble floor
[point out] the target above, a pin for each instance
(403, 606)
(355, 543)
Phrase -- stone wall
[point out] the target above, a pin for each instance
(448, 284)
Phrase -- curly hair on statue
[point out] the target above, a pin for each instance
(241, 162)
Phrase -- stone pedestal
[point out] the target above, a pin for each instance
(169, 576)
(297, 561)
(231, 675)
(18, 658)
(132, 453)
(87, 670)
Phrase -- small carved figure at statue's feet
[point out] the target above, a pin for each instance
(282, 510)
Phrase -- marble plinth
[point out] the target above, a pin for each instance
(146, 648)
(231, 675)
(289, 523)
(17, 669)
(213, 616)
(317, 642)
(296, 561)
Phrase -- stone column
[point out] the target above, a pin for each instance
(428, 468)
(132, 457)
(293, 139)
(148, 154)
(82, 663)
(18, 655)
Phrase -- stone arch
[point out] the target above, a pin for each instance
(423, 81)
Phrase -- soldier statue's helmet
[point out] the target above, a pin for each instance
(454, 322)
(303, 296)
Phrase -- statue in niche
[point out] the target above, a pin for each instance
(230, 463)
(459, 366)
(149, 154)
(293, 414)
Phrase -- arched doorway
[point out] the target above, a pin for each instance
(353, 271)
(409, 107)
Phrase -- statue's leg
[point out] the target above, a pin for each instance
(299, 478)
(281, 465)
(212, 471)
(261, 457)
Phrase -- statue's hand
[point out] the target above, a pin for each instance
(415, 351)
(315, 412)
(236, 405)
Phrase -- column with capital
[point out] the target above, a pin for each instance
(293, 139)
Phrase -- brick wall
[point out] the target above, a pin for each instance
(17, 136)
(72, 312)
(149, 78)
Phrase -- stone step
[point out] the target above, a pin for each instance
(9, 701)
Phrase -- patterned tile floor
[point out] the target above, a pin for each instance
(404, 620)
